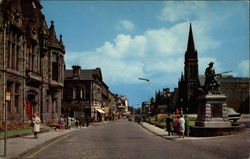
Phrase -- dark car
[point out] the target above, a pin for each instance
(233, 115)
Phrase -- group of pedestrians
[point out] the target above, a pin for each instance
(82, 121)
(179, 126)
(64, 122)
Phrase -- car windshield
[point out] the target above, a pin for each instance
(231, 111)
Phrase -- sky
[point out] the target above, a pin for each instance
(148, 39)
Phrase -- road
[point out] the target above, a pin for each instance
(124, 139)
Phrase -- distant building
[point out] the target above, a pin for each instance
(122, 105)
(31, 62)
(86, 93)
(236, 88)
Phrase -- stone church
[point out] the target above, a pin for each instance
(235, 88)
(31, 62)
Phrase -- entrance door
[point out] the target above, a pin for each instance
(29, 110)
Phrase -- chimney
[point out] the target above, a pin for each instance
(76, 71)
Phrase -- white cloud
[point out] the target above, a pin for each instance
(244, 68)
(187, 11)
(125, 25)
(157, 54)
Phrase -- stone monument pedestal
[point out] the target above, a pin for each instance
(212, 112)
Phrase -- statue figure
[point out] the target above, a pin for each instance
(211, 83)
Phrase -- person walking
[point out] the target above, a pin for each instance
(177, 125)
(36, 125)
(87, 120)
(169, 124)
(68, 122)
(60, 122)
(182, 126)
(186, 125)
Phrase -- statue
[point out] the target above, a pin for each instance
(211, 83)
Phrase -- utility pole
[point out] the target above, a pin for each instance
(4, 92)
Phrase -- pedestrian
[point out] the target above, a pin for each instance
(182, 126)
(77, 122)
(87, 120)
(82, 121)
(169, 124)
(68, 122)
(177, 125)
(60, 122)
(36, 124)
(187, 130)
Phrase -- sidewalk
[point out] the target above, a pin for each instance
(164, 134)
(20, 145)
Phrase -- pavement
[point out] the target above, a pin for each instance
(18, 146)
(21, 145)
(164, 134)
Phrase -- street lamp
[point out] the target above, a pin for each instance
(147, 80)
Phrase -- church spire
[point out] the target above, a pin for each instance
(190, 46)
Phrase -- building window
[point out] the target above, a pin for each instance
(81, 94)
(17, 94)
(13, 49)
(74, 93)
(55, 67)
(9, 89)
(9, 54)
(17, 58)
(47, 106)
(13, 56)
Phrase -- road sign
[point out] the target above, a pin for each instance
(7, 96)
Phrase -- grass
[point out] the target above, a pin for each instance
(16, 132)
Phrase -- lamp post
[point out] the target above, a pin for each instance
(147, 80)
(4, 92)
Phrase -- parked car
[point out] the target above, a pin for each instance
(233, 115)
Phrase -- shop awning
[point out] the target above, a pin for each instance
(100, 111)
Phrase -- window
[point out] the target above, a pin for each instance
(16, 105)
(9, 54)
(13, 50)
(47, 106)
(55, 67)
(17, 57)
(74, 93)
(13, 56)
(9, 89)
(80, 93)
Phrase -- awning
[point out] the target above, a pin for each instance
(100, 111)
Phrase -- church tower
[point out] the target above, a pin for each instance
(191, 75)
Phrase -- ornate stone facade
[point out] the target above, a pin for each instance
(31, 62)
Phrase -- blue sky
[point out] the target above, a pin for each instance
(131, 39)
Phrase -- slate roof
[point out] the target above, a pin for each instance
(85, 74)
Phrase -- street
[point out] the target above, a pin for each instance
(122, 139)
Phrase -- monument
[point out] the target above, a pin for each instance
(212, 109)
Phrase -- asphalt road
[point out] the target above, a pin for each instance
(124, 139)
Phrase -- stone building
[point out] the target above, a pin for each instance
(235, 88)
(31, 62)
(86, 93)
